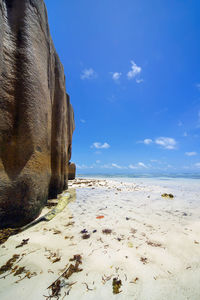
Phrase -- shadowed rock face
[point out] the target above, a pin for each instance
(36, 117)
(72, 171)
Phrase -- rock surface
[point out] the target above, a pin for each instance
(72, 171)
(36, 117)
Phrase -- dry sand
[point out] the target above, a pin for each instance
(150, 243)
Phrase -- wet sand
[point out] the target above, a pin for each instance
(120, 231)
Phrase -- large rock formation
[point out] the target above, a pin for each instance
(36, 117)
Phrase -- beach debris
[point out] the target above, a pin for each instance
(133, 230)
(165, 195)
(88, 289)
(6, 233)
(28, 275)
(99, 217)
(85, 236)
(69, 224)
(107, 231)
(127, 218)
(9, 264)
(134, 280)
(106, 278)
(154, 244)
(94, 231)
(130, 245)
(60, 282)
(196, 242)
(19, 271)
(53, 256)
(24, 242)
(56, 260)
(84, 231)
(116, 284)
(69, 237)
(56, 231)
(144, 260)
(77, 257)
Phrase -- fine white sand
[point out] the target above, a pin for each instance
(153, 247)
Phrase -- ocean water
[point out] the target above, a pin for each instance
(158, 176)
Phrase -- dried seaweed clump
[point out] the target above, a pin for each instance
(107, 231)
(165, 195)
(117, 283)
(6, 233)
(8, 266)
(60, 282)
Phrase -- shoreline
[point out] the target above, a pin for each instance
(148, 242)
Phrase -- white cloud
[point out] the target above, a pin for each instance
(88, 74)
(132, 167)
(154, 160)
(191, 153)
(139, 80)
(147, 141)
(116, 166)
(141, 164)
(98, 161)
(116, 76)
(197, 165)
(83, 121)
(166, 142)
(98, 145)
(135, 70)
(82, 167)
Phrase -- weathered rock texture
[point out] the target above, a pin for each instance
(72, 171)
(36, 117)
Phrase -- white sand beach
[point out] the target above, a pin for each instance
(150, 244)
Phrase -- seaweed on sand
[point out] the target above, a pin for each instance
(60, 281)
(8, 266)
(24, 242)
(107, 231)
(165, 195)
(116, 284)
(6, 233)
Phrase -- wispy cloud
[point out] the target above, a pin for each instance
(88, 74)
(185, 134)
(135, 70)
(117, 166)
(116, 76)
(98, 145)
(191, 153)
(166, 142)
(197, 165)
(82, 121)
(83, 166)
(198, 86)
(147, 141)
(141, 164)
(139, 80)
(133, 167)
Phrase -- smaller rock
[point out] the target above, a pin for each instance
(71, 171)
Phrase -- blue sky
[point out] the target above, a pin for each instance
(133, 74)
